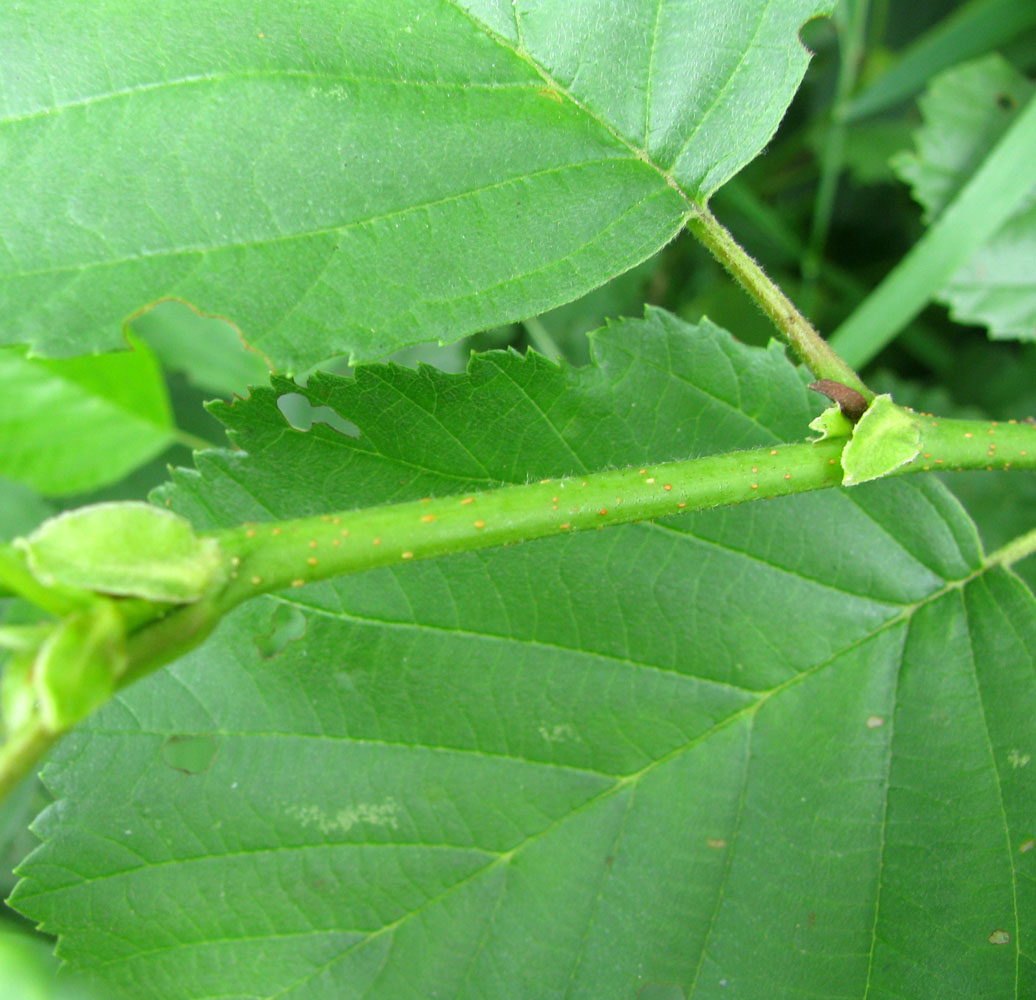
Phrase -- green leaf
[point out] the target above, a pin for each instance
(885, 439)
(354, 180)
(75, 671)
(126, 548)
(969, 30)
(774, 750)
(992, 196)
(75, 424)
(966, 110)
(29, 972)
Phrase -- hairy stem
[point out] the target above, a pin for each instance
(1015, 550)
(815, 352)
(271, 557)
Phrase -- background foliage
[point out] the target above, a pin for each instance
(774, 750)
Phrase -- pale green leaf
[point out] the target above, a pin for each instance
(965, 111)
(885, 439)
(780, 750)
(354, 179)
(126, 548)
(75, 670)
(75, 424)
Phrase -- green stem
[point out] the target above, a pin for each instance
(817, 354)
(851, 24)
(949, 445)
(541, 338)
(20, 752)
(270, 557)
(192, 441)
(1015, 550)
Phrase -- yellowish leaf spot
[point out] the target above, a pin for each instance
(480, 524)
(716, 843)
(298, 583)
(999, 937)
(312, 560)
(1027, 846)
(875, 722)
(428, 518)
(407, 555)
(468, 500)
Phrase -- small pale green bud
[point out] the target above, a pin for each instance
(76, 667)
(886, 438)
(129, 549)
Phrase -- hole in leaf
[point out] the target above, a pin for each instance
(287, 624)
(302, 415)
(190, 753)
(1006, 102)
(208, 350)
(818, 33)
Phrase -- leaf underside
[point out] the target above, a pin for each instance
(775, 750)
(351, 180)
